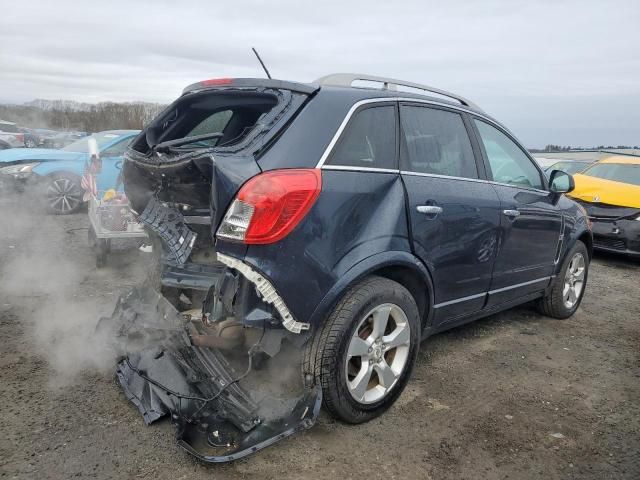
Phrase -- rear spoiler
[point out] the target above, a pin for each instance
(305, 88)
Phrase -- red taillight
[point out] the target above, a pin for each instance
(217, 81)
(19, 137)
(270, 205)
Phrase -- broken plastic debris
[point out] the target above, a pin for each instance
(557, 435)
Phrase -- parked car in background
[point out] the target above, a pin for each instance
(10, 135)
(568, 166)
(63, 139)
(54, 175)
(349, 222)
(609, 190)
(31, 137)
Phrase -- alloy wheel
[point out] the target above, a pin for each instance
(63, 195)
(378, 353)
(574, 281)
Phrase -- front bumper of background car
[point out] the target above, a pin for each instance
(17, 176)
(617, 236)
(615, 228)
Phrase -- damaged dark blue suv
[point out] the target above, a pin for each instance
(347, 220)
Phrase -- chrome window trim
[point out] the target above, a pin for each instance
(437, 175)
(359, 169)
(518, 285)
(479, 180)
(355, 106)
(358, 104)
(520, 187)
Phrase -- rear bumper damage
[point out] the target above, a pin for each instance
(225, 402)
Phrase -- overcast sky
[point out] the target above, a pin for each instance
(562, 72)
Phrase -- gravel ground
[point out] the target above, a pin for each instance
(516, 395)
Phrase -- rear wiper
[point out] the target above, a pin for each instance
(164, 146)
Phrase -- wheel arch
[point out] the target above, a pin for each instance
(399, 266)
(586, 237)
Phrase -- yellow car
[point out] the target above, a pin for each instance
(610, 192)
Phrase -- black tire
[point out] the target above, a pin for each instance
(30, 143)
(62, 194)
(553, 303)
(326, 353)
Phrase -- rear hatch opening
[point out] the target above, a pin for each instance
(183, 170)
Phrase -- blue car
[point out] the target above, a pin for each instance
(54, 175)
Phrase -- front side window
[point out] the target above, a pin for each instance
(509, 164)
(369, 140)
(436, 141)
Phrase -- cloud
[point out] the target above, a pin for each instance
(580, 59)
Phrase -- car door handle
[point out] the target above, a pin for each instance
(511, 213)
(429, 209)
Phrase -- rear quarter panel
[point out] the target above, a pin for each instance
(356, 216)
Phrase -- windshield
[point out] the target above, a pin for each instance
(617, 172)
(82, 144)
(569, 167)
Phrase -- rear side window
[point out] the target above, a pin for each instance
(509, 164)
(369, 140)
(436, 141)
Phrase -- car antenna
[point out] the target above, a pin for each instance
(262, 63)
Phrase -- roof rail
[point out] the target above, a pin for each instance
(347, 79)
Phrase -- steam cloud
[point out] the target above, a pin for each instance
(48, 274)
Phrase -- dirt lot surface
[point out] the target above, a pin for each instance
(513, 396)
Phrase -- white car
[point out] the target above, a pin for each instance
(10, 136)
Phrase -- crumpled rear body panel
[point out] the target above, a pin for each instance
(222, 408)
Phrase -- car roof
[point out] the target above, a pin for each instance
(624, 159)
(355, 92)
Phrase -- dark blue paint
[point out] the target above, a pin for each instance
(458, 245)
(363, 222)
(356, 216)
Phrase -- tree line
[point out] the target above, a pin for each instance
(567, 148)
(72, 116)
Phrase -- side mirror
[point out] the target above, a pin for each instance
(561, 182)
